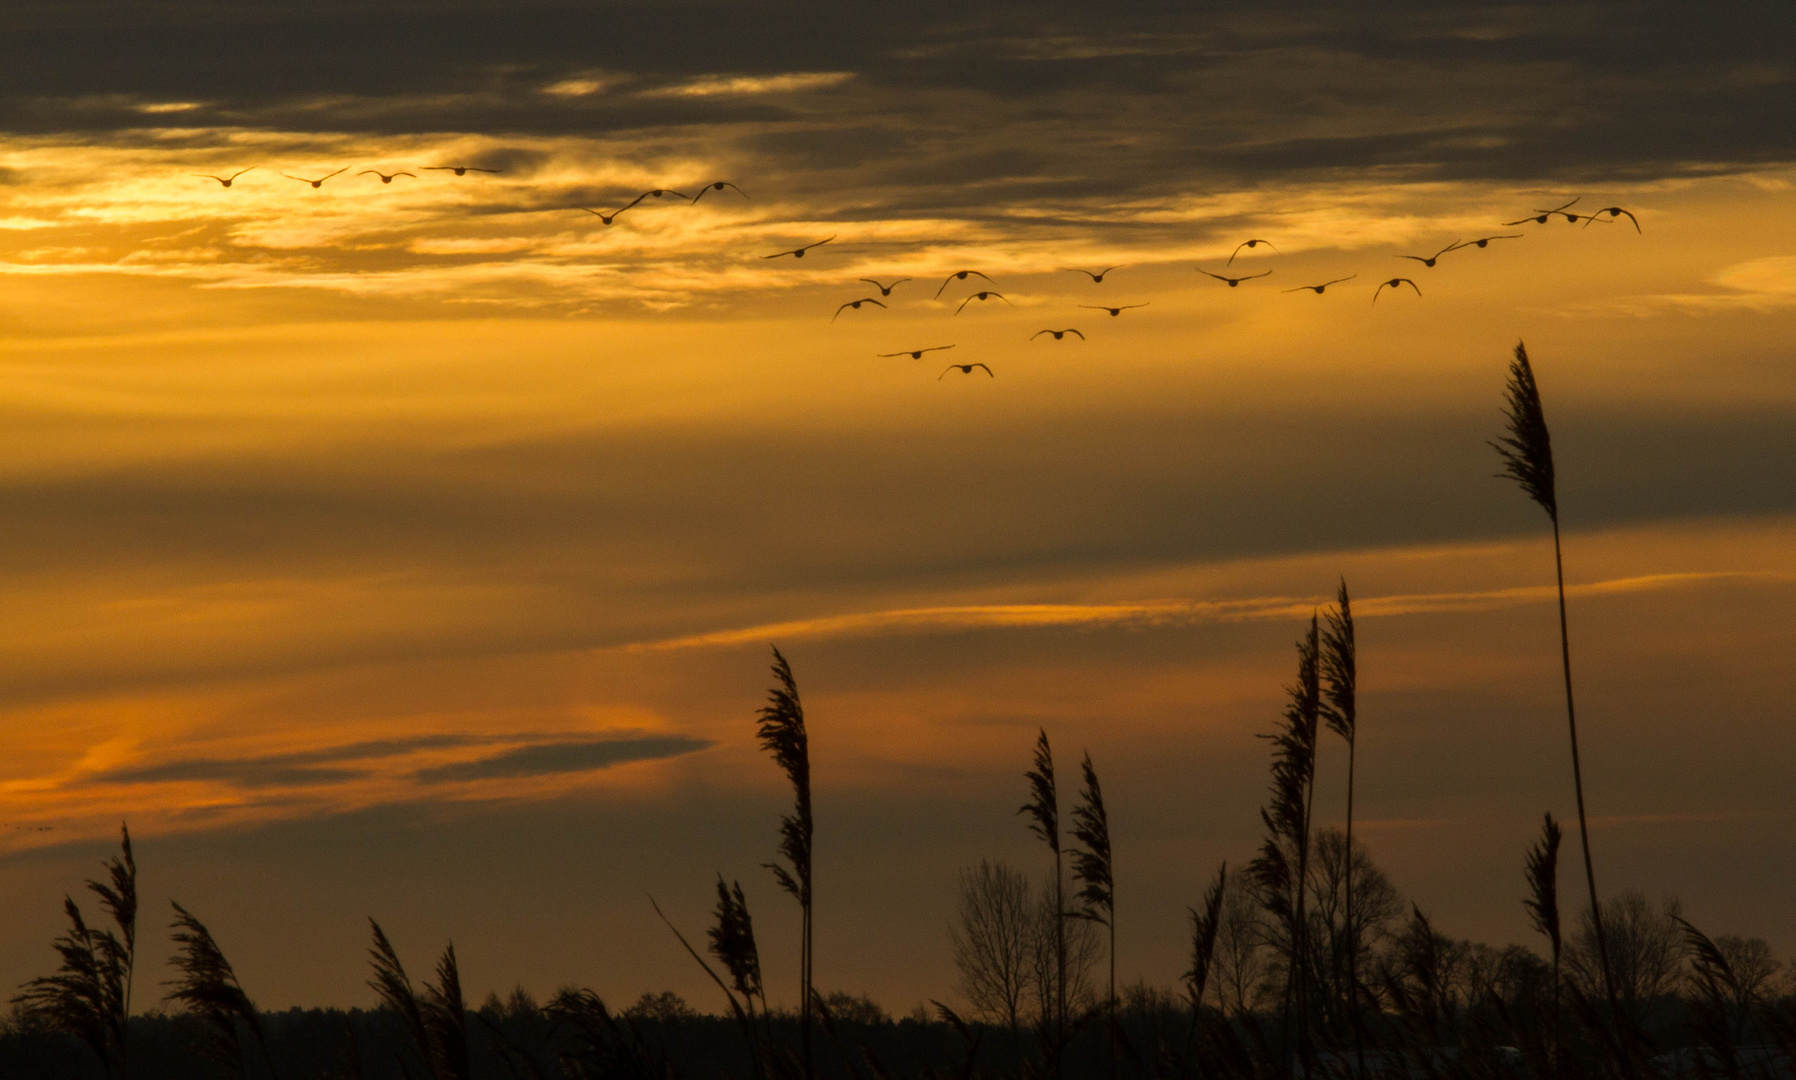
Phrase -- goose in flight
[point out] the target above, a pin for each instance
(1392, 284)
(1317, 289)
(606, 218)
(986, 295)
(318, 183)
(914, 354)
(1428, 260)
(1613, 212)
(796, 253)
(459, 170)
(226, 180)
(1097, 278)
(1114, 311)
(962, 275)
(856, 305)
(719, 185)
(1250, 245)
(964, 369)
(386, 178)
(1058, 334)
(1542, 216)
(1484, 241)
(885, 290)
(1232, 281)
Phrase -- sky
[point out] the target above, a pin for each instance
(414, 550)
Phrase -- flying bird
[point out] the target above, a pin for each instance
(318, 183)
(226, 180)
(1428, 260)
(1392, 284)
(1233, 281)
(1114, 311)
(1613, 212)
(962, 275)
(885, 290)
(986, 295)
(606, 218)
(1542, 216)
(1058, 334)
(914, 354)
(1097, 278)
(1250, 244)
(719, 185)
(796, 253)
(459, 170)
(1484, 241)
(1317, 289)
(964, 369)
(856, 305)
(386, 178)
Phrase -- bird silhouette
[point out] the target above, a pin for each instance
(606, 218)
(962, 275)
(914, 354)
(1097, 278)
(884, 290)
(656, 193)
(318, 183)
(1250, 245)
(1392, 284)
(964, 369)
(1613, 212)
(1542, 216)
(1317, 289)
(986, 295)
(1428, 260)
(1484, 241)
(796, 253)
(226, 180)
(856, 305)
(386, 178)
(1114, 311)
(1058, 334)
(719, 185)
(459, 170)
(1233, 281)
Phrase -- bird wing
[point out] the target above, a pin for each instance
(240, 172)
(328, 175)
(365, 172)
(945, 372)
(1631, 218)
(414, 176)
(1523, 221)
(775, 255)
(438, 168)
(1125, 307)
(634, 201)
(1338, 280)
(1556, 209)
(832, 318)
(808, 247)
(988, 371)
(1039, 333)
(1454, 246)
(1249, 277)
(1070, 330)
(472, 168)
(681, 194)
(1107, 269)
(1078, 270)
(1413, 285)
(1418, 258)
(963, 304)
(1232, 255)
(1206, 273)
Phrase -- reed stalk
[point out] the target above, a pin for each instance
(781, 730)
(1543, 907)
(1093, 867)
(1340, 710)
(1042, 812)
(209, 989)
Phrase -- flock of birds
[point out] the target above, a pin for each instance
(1608, 215)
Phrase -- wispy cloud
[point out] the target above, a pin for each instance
(722, 85)
(548, 759)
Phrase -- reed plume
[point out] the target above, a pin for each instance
(209, 989)
(90, 995)
(1543, 907)
(1527, 453)
(1042, 813)
(437, 1019)
(1717, 988)
(1092, 867)
(1287, 820)
(1204, 926)
(782, 733)
(1340, 710)
(739, 951)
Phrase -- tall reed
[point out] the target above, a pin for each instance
(209, 989)
(1340, 710)
(1287, 819)
(436, 1020)
(782, 733)
(1043, 814)
(1527, 453)
(89, 997)
(1543, 909)
(1093, 867)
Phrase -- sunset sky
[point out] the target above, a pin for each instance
(414, 550)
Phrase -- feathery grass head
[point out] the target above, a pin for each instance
(1527, 450)
(118, 894)
(446, 1019)
(1092, 866)
(1340, 668)
(209, 989)
(782, 734)
(1043, 807)
(1286, 814)
(733, 941)
(394, 989)
(1204, 926)
(1543, 883)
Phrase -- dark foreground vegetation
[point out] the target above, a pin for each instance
(1304, 962)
